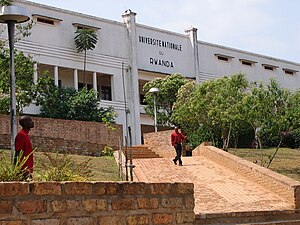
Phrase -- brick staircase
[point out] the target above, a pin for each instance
(285, 217)
(140, 152)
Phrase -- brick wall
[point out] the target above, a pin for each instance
(77, 137)
(280, 184)
(160, 143)
(90, 203)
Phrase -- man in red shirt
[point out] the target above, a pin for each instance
(176, 141)
(23, 143)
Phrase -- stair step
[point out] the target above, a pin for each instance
(284, 217)
(139, 152)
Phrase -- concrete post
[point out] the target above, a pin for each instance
(75, 75)
(35, 73)
(192, 33)
(132, 84)
(95, 81)
(56, 75)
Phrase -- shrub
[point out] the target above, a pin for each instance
(12, 171)
(61, 167)
(296, 137)
(68, 103)
(108, 151)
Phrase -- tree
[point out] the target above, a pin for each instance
(6, 2)
(24, 80)
(68, 103)
(85, 39)
(52, 99)
(23, 70)
(213, 107)
(165, 99)
(268, 109)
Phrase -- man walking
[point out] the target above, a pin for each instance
(176, 141)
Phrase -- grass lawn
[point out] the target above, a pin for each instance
(286, 162)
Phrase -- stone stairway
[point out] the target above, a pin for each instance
(140, 152)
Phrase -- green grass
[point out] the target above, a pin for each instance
(286, 162)
(102, 168)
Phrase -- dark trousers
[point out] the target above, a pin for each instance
(178, 149)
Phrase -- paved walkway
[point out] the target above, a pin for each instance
(217, 189)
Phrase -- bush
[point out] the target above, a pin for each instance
(61, 167)
(108, 151)
(296, 137)
(68, 103)
(12, 171)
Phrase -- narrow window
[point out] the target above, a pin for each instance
(289, 71)
(246, 63)
(223, 58)
(44, 20)
(269, 68)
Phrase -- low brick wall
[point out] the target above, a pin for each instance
(72, 136)
(280, 184)
(90, 203)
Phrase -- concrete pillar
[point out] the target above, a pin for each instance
(56, 75)
(117, 87)
(192, 33)
(75, 75)
(132, 78)
(95, 81)
(35, 73)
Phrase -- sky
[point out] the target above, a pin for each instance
(267, 27)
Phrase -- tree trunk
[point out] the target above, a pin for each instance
(273, 156)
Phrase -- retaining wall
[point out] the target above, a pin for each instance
(90, 203)
(71, 136)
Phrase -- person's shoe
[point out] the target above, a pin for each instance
(175, 161)
(180, 164)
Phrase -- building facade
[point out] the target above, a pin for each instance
(128, 55)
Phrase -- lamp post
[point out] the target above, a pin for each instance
(11, 15)
(154, 91)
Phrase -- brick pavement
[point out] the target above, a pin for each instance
(217, 188)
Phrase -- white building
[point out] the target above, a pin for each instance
(128, 55)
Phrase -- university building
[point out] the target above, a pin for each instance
(128, 54)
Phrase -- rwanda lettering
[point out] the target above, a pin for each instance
(161, 62)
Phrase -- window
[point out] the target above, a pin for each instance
(46, 19)
(80, 26)
(59, 83)
(247, 62)
(269, 67)
(225, 58)
(289, 71)
(106, 93)
(88, 86)
(43, 20)
(142, 96)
